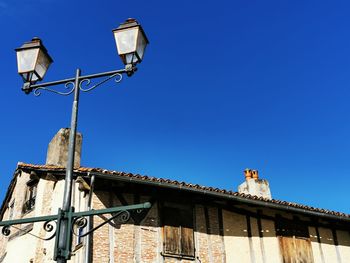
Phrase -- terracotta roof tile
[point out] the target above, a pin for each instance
(182, 184)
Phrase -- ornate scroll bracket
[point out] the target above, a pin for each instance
(120, 215)
(81, 222)
(83, 85)
(69, 86)
(82, 82)
(48, 227)
(86, 82)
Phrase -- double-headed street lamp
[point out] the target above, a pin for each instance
(33, 62)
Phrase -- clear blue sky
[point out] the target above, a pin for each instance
(225, 85)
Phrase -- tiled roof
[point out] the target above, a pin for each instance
(165, 182)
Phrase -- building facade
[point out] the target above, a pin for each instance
(186, 223)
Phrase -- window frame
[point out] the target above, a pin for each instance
(183, 223)
(30, 196)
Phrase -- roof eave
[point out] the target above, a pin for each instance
(243, 200)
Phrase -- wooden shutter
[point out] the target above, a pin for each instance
(187, 244)
(294, 241)
(172, 240)
(178, 230)
(296, 250)
(304, 250)
(172, 235)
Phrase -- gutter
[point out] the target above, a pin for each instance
(240, 199)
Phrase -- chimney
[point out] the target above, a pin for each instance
(254, 186)
(57, 152)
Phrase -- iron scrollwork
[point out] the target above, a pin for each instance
(81, 222)
(48, 227)
(84, 85)
(70, 86)
(86, 82)
(6, 231)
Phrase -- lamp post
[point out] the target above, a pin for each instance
(33, 62)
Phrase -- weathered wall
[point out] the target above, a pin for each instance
(236, 239)
(57, 152)
(344, 245)
(48, 200)
(13, 242)
(209, 241)
(270, 242)
(125, 242)
(220, 235)
(330, 246)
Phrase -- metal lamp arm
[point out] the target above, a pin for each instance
(86, 82)
(122, 214)
(83, 81)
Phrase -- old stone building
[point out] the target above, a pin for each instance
(186, 223)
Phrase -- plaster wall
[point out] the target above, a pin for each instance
(48, 200)
(259, 248)
(236, 238)
(50, 204)
(344, 245)
(11, 244)
(256, 242)
(21, 249)
(327, 244)
(271, 244)
(317, 249)
(201, 238)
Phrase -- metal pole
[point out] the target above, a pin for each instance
(64, 233)
(88, 258)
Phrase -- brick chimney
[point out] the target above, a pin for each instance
(254, 186)
(57, 152)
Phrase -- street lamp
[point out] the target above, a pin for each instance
(33, 62)
(131, 42)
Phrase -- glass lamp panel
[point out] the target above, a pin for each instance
(26, 60)
(131, 58)
(26, 76)
(126, 40)
(141, 45)
(135, 59)
(34, 78)
(42, 65)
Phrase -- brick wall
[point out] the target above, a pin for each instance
(143, 243)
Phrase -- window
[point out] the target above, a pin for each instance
(178, 230)
(11, 209)
(294, 241)
(29, 202)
